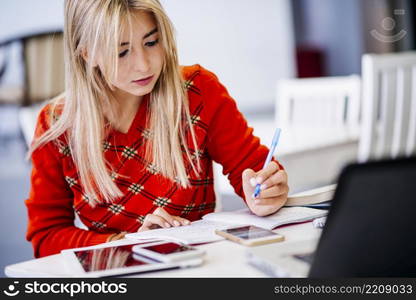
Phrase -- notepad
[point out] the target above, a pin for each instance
(318, 197)
(202, 231)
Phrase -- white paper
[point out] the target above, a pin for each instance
(285, 215)
(201, 231)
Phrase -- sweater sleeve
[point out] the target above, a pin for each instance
(50, 212)
(231, 142)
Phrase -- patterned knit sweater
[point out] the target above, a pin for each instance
(56, 194)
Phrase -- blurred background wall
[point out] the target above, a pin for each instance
(248, 45)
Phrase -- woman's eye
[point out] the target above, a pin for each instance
(123, 53)
(152, 43)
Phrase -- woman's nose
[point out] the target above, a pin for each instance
(141, 62)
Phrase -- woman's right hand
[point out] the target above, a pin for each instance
(160, 218)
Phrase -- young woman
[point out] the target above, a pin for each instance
(129, 145)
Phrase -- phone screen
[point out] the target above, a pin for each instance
(108, 258)
(169, 248)
(250, 232)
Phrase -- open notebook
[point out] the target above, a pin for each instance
(202, 231)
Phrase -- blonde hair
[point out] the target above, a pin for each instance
(96, 24)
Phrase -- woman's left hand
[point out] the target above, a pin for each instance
(273, 192)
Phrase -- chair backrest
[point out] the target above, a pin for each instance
(44, 66)
(389, 106)
(318, 102)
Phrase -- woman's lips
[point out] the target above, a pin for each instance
(144, 81)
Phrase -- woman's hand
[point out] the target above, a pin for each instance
(273, 192)
(161, 218)
(116, 236)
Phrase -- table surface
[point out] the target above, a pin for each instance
(223, 259)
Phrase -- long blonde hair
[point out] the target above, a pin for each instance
(96, 24)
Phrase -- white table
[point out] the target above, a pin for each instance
(223, 259)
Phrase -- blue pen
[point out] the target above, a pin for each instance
(269, 158)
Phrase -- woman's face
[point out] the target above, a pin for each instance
(140, 60)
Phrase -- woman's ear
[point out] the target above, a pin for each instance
(87, 59)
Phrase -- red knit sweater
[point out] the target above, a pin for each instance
(56, 194)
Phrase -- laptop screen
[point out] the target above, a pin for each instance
(371, 227)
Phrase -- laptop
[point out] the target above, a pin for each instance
(370, 230)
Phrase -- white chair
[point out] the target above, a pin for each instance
(318, 102)
(389, 106)
(320, 119)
